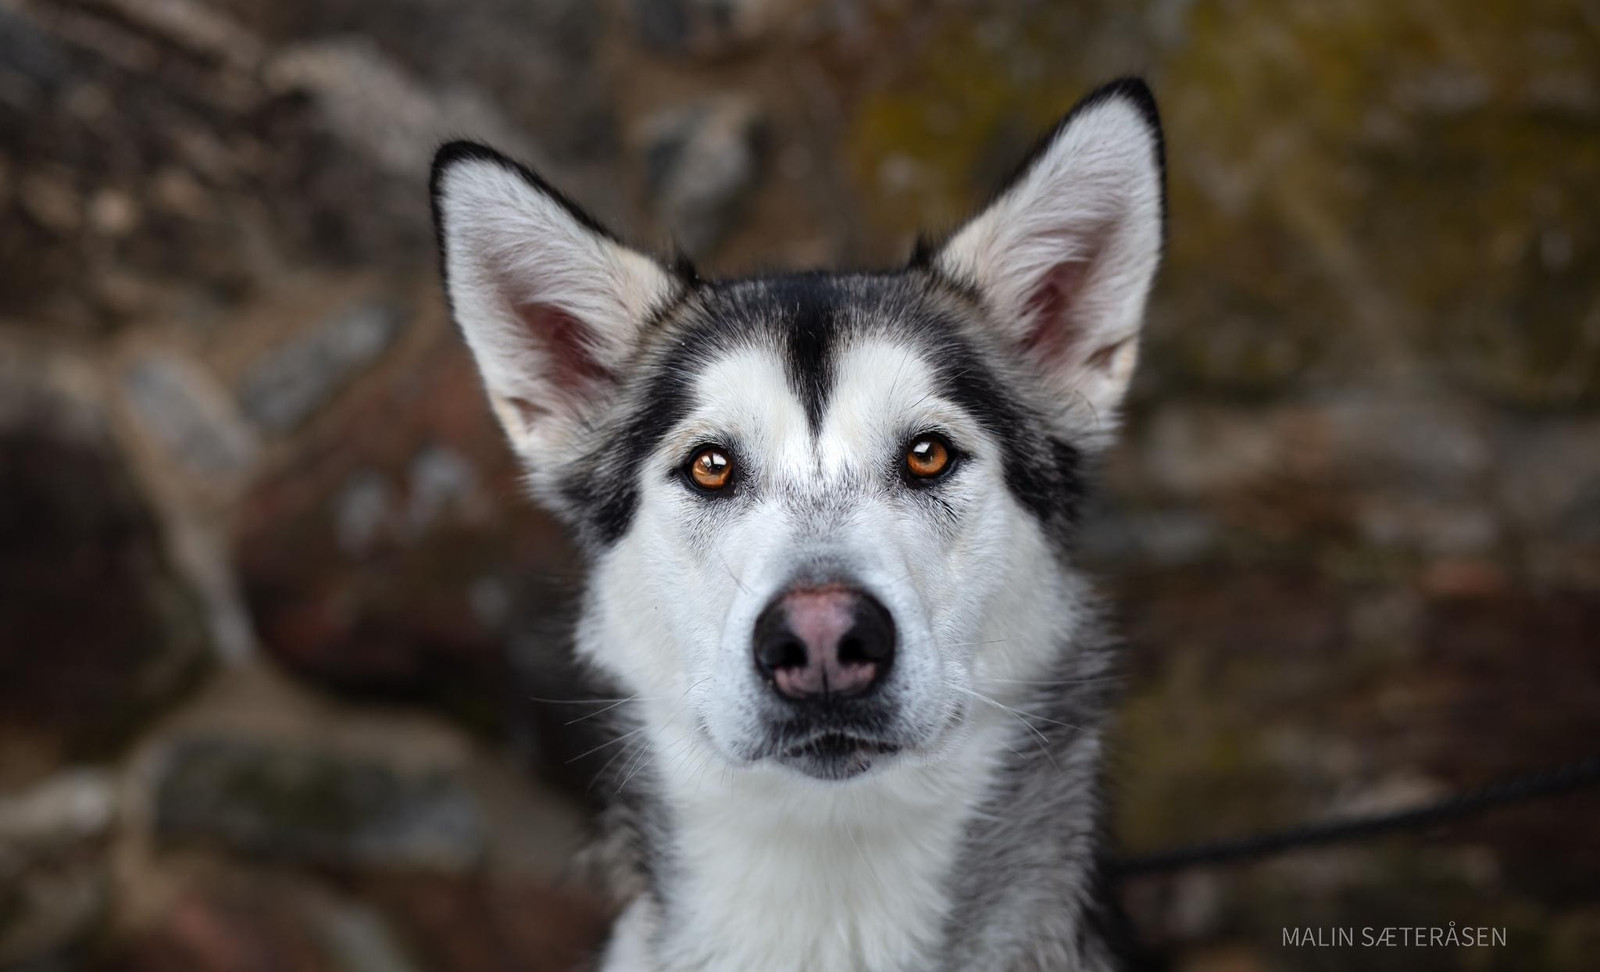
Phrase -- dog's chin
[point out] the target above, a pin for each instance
(836, 756)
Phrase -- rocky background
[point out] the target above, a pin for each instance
(275, 625)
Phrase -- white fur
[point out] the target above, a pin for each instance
(784, 872)
(1093, 196)
(791, 874)
(509, 245)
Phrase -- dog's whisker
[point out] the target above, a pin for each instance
(597, 712)
(1044, 742)
(639, 764)
(850, 832)
(535, 698)
(979, 644)
(601, 773)
(647, 754)
(1020, 712)
(722, 558)
(608, 744)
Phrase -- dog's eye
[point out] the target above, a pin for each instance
(928, 457)
(711, 469)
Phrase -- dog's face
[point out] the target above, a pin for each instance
(826, 513)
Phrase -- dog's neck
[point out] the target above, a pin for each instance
(763, 859)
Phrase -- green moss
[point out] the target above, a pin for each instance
(1408, 179)
(1352, 186)
(961, 110)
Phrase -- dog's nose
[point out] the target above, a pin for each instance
(822, 642)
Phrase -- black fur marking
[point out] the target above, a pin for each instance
(685, 270)
(604, 485)
(1044, 473)
(801, 309)
(812, 325)
(922, 252)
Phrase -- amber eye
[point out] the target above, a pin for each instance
(928, 456)
(711, 469)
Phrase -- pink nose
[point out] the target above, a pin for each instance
(822, 642)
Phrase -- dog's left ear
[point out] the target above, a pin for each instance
(1064, 256)
(550, 303)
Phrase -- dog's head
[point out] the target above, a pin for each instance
(825, 512)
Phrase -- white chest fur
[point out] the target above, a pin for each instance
(784, 874)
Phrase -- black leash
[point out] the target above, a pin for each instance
(1516, 789)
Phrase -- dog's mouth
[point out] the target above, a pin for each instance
(836, 755)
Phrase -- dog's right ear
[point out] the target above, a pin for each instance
(1064, 256)
(550, 303)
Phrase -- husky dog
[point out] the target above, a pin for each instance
(828, 521)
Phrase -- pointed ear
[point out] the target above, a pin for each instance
(549, 302)
(1064, 256)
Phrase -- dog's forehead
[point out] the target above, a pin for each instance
(876, 386)
(838, 360)
(807, 321)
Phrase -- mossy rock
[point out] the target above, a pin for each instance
(308, 805)
(1354, 189)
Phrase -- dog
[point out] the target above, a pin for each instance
(828, 521)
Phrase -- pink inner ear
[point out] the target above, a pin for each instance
(1050, 311)
(567, 350)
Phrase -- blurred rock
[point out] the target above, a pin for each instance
(1550, 479)
(367, 559)
(30, 54)
(66, 808)
(178, 405)
(194, 26)
(702, 161)
(1192, 451)
(314, 806)
(292, 381)
(442, 483)
(359, 940)
(370, 102)
(52, 201)
(703, 27)
(113, 213)
(362, 510)
(1426, 446)
(1359, 441)
(1429, 526)
(399, 923)
(456, 925)
(1169, 537)
(230, 929)
(54, 875)
(99, 629)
